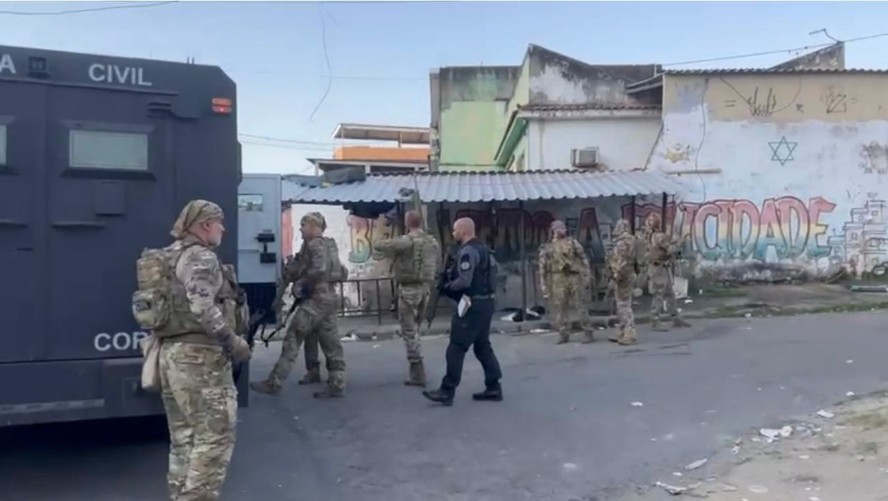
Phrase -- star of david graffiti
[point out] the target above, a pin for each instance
(782, 150)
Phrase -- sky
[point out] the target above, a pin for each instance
(380, 54)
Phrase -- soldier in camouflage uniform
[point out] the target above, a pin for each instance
(409, 253)
(565, 276)
(292, 271)
(621, 263)
(662, 252)
(316, 315)
(196, 355)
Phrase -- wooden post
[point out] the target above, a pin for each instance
(663, 212)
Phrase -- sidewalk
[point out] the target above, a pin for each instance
(717, 302)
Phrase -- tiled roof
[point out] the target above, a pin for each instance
(588, 107)
(469, 187)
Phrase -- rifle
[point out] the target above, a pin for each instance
(449, 263)
(257, 319)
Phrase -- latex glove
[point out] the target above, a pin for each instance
(240, 350)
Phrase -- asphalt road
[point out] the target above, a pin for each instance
(567, 430)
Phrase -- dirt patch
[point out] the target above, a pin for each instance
(843, 457)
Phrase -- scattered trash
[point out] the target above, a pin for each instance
(570, 466)
(804, 457)
(813, 498)
(349, 337)
(735, 450)
(849, 394)
(786, 431)
(849, 361)
(637, 404)
(376, 346)
(825, 414)
(758, 489)
(770, 434)
(671, 489)
(696, 464)
(688, 301)
(539, 331)
(677, 473)
(748, 315)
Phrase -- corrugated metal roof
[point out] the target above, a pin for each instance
(587, 107)
(468, 187)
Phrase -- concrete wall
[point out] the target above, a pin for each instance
(803, 160)
(472, 112)
(623, 143)
(558, 79)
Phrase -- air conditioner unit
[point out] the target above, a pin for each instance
(584, 157)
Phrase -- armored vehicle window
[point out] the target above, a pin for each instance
(2, 145)
(250, 203)
(90, 149)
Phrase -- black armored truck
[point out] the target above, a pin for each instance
(97, 157)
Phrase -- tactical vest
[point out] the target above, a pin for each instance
(656, 253)
(161, 304)
(483, 280)
(564, 258)
(420, 264)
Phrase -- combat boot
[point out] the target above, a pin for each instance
(311, 377)
(417, 375)
(329, 392)
(628, 337)
(266, 388)
(679, 322)
(615, 338)
(563, 338)
(442, 397)
(658, 326)
(490, 394)
(590, 337)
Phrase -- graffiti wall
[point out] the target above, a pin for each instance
(785, 173)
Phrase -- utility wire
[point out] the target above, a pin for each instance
(327, 60)
(90, 9)
(768, 53)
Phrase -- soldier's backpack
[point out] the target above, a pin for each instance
(338, 272)
(151, 303)
(426, 256)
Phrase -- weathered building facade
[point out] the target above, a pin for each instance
(786, 169)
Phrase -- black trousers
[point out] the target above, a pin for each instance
(472, 330)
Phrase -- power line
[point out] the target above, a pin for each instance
(91, 9)
(772, 52)
(285, 140)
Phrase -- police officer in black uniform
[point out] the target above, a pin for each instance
(473, 276)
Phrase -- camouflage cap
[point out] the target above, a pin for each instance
(558, 225)
(622, 228)
(195, 212)
(315, 218)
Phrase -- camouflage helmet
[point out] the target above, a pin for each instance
(315, 218)
(195, 212)
(652, 220)
(622, 228)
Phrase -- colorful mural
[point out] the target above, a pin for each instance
(736, 229)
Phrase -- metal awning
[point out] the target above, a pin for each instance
(471, 187)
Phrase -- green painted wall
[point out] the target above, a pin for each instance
(471, 131)
(473, 118)
(522, 89)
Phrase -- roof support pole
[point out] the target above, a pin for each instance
(522, 234)
(663, 212)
